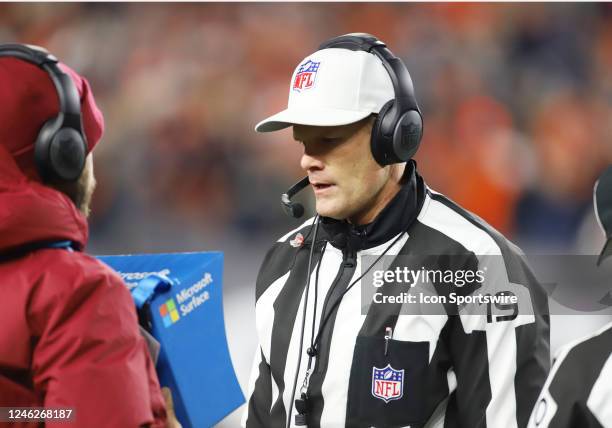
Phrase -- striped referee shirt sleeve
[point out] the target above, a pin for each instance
(257, 413)
(500, 358)
(499, 353)
(263, 390)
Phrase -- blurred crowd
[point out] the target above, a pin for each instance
(517, 100)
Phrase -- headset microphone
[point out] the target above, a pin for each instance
(294, 209)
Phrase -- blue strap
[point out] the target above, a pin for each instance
(35, 246)
(65, 245)
(148, 287)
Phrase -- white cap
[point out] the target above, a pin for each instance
(333, 87)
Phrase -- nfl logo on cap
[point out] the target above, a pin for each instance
(306, 75)
(387, 383)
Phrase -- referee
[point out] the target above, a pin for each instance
(330, 357)
(578, 392)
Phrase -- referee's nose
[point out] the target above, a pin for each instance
(310, 162)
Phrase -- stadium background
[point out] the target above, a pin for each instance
(517, 100)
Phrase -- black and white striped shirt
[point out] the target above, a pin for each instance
(578, 392)
(456, 370)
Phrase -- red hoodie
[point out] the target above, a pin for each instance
(68, 329)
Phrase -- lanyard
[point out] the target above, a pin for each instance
(302, 404)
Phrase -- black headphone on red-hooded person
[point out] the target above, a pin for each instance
(60, 148)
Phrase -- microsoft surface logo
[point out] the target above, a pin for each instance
(169, 313)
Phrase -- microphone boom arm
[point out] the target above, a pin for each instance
(294, 209)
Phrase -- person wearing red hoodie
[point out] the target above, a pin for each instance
(69, 335)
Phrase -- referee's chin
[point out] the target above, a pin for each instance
(331, 208)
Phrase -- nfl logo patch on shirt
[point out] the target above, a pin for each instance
(387, 383)
(298, 241)
(306, 75)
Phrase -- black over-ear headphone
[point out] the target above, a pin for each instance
(61, 147)
(397, 132)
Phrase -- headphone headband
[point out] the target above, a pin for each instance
(397, 132)
(354, 42)
(30, 53)
(400, 78)
(65, 88)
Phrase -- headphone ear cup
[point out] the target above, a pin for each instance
(42, 147)
(67, 154)
(380, 144)
(59, 153)
(407, 135)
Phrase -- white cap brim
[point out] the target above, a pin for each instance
(314, 117)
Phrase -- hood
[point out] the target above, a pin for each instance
(31, 212)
